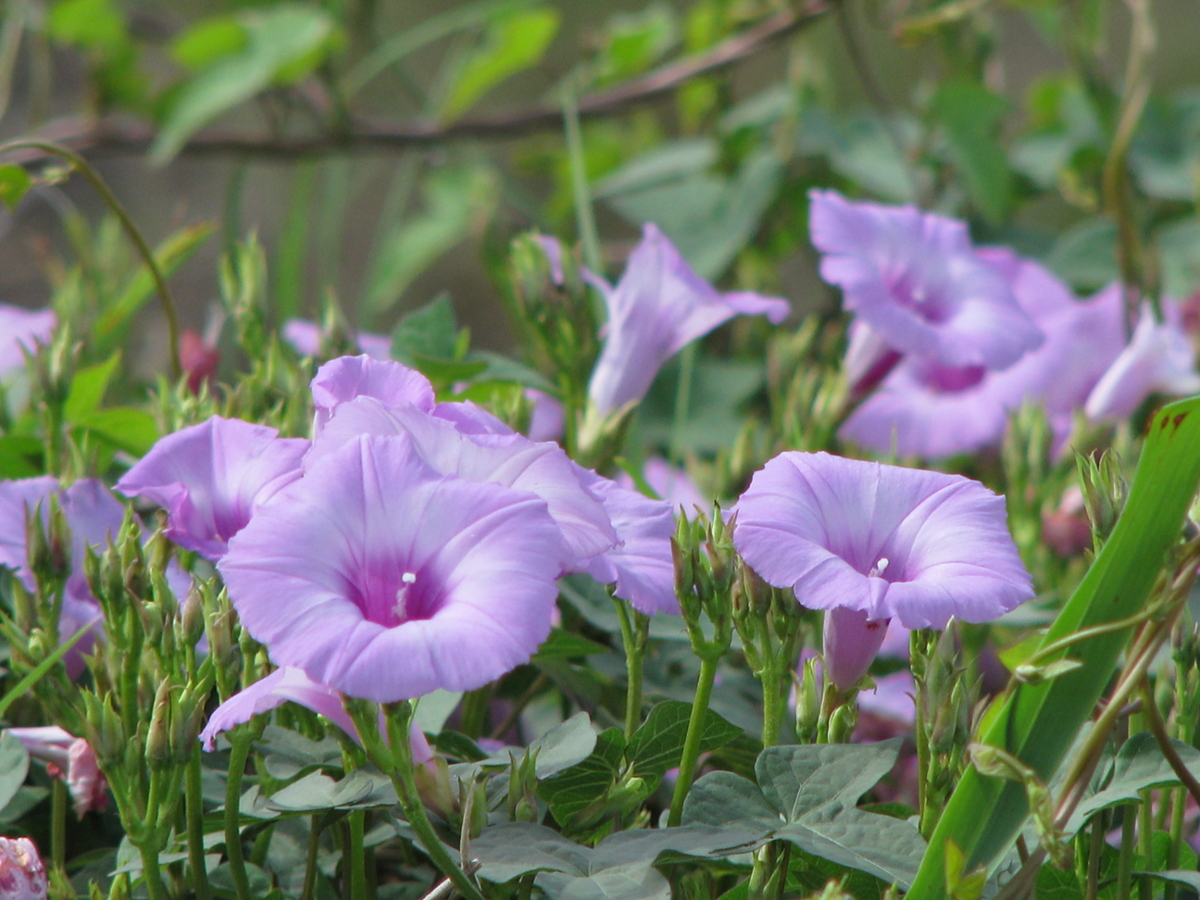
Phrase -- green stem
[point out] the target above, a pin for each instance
(691, 744)
(110, 199)
(1125, 860)
(238, 755)
(1095, 851)
(1146, 842)
(1178, 799)
(584, 214)
(151, 873)
(399, 718)
(356, 860)
(195, 828)
(58, 826)
(772, 709)
(310, 860)
(635, 648)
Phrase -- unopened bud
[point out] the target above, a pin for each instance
(842, 722)
(808, 703)
(158, 738)
(433, 786)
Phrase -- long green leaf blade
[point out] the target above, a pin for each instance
(1038, 723)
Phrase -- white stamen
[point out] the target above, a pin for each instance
(880, 568)
(401, 607)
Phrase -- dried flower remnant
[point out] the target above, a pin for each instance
(385, 580)
(211, 477)
(869, 542)
(657, 308)
(71, 759)
(915, 279)
(22, 874)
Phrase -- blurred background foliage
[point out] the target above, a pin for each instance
(384, 153)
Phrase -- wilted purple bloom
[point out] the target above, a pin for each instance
(1159, 360)
(305, 338)
(658, 307)
(915, 279)
(385, 580)
(211, 477)
(548, 420)
(510, 460)
(641, 565)
(673, 485)
(22, 330)
(290, 684)
(71, 759)
(22, 874)
(935, 411)
(347, 377)
(870, 542)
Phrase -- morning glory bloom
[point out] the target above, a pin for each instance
(915, 279)
(933, 411)
(347, 377)
(869, 542)
(21, 330)
(305, 338)
(211, 478)
(1159, 360)
(291, 685)
(70, 759)
(671, 484)
(385, 580)
(658, 307)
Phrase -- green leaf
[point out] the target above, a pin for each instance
(22, 803)
(572, 791)
(563, 746)
(361, 789)
(1085, 255)
(1038, 723)
(806, 795)
(637, 40)
(14, 766)
(514, 43)
(565, 645)
(14, 182)
(971, 116)
(208, 40)
(431, 331)
(20, 456)
(658, 744)
(435, 708)
(88, 387)
(170, 255)
(287, 753)
(92, 24)
(455, 199)
(126, 428)
(278, 39)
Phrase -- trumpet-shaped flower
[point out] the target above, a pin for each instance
(291, 685)
(658, 307)
(915, 279)
(870, 542)
(348, 377)
(71, 759)
(211, 477)
(21, 330)
(385, 580)
(1158, 360)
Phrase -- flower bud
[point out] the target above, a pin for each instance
(22, 875)
(433, 786)
(105, 732)
(808, 703)
(158, 738)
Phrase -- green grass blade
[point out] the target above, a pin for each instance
(1038, 723)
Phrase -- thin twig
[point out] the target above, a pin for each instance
(1159, 730)
(371, 136)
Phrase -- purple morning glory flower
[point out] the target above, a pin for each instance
(659, 306)
(1159, 360)
(870, 542)
(22, 330)
(915, 279)
(548, 420)
(640, 565)
(290, 684)
(305, 338)
(392, 384)
(507, 459)
(211, 478)
(385, 580)
(935, 411)
(671, 484)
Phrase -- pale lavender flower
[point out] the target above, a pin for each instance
(291, 685)
(305, 338)
(548, 420)
(554, 256)
(870, 542)
(1158, 360)
(640, 566)
(915, 279)
(21, 330)
(211, 478)
(673, 485)
(933, 411)
(506, 459)
(71, 759)
(22, 874)
(658, 307)
(384, 580)
(347, 377)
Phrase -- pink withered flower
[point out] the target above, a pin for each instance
(70, 759)
(22, 874)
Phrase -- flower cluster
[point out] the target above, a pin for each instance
(948, 339)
